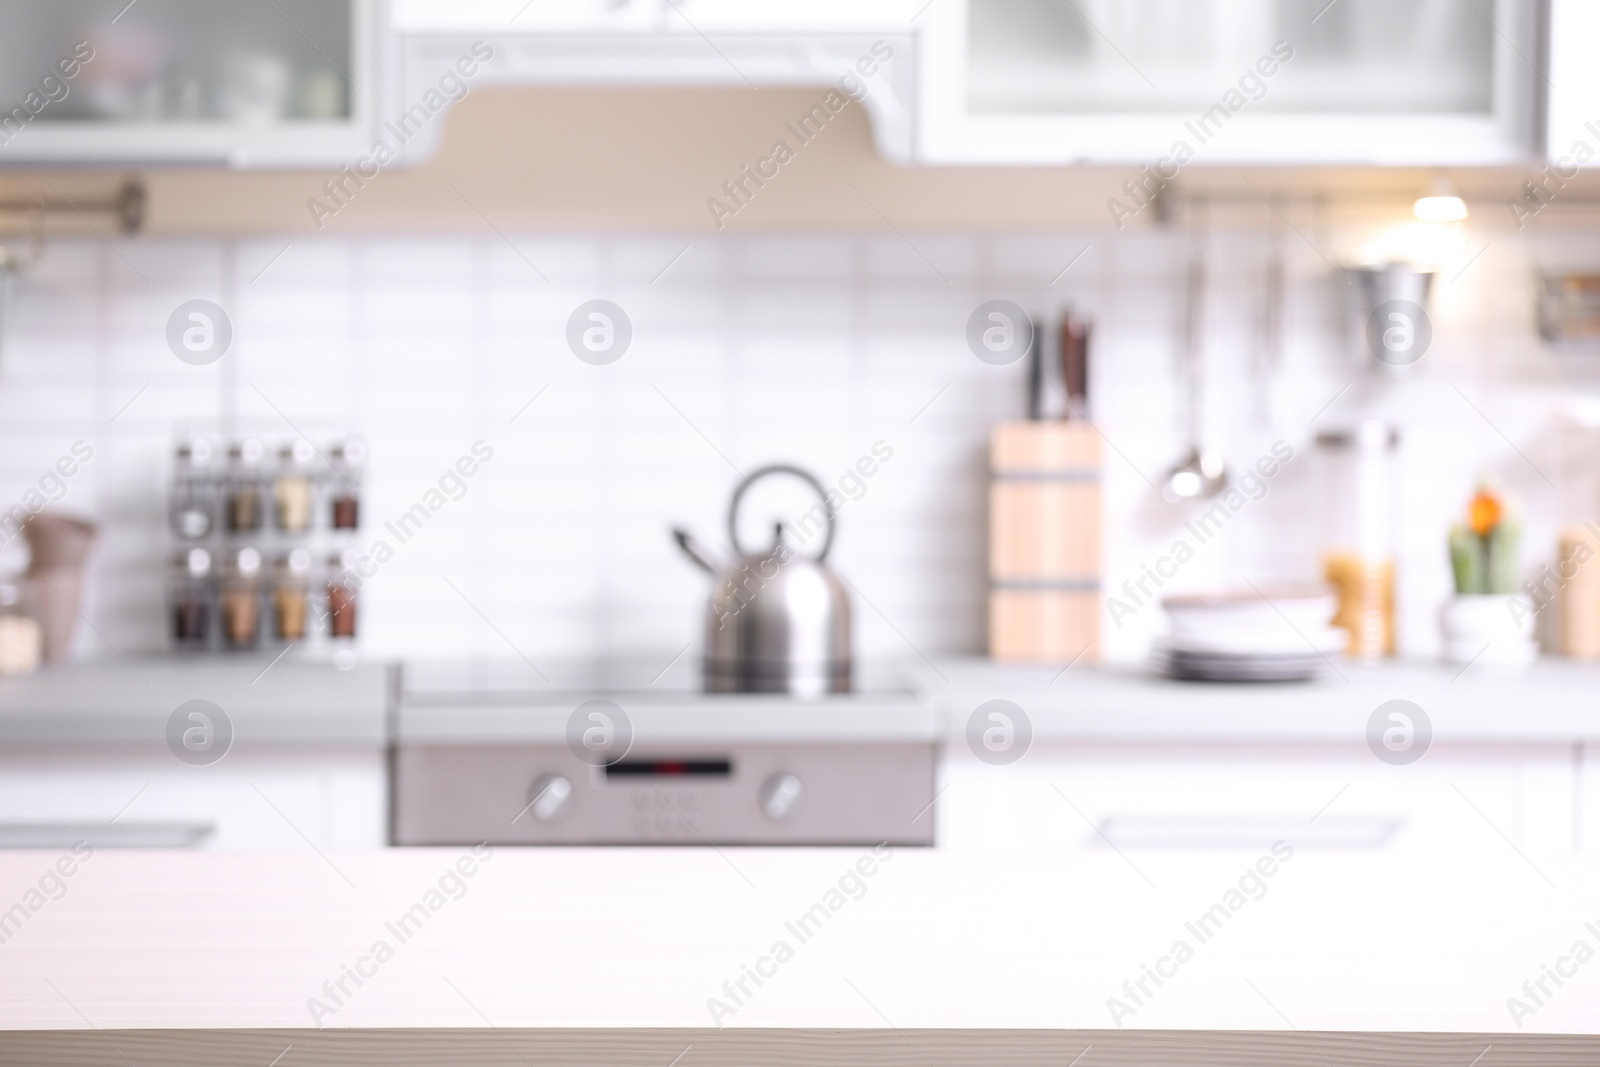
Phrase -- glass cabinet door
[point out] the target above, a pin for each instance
(1454, 80)
(183, 80)
(1179, 55)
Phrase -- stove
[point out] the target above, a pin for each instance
(608, 755)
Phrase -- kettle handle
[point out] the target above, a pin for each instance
(780, 468)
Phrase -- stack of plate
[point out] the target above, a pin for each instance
(1275, 635)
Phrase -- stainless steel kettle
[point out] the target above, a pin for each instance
(778, 621)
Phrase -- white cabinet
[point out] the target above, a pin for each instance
(285, 800)
(1229, 81)
(987, 82)
(648, 16)
(1488, 800)
(523, 16)
(90, 751)
(1572, 132)
(280, 83)
(868, 48)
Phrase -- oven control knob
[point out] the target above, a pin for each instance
(780, 796)
(550, 798)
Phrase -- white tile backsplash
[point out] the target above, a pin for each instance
(746, 350)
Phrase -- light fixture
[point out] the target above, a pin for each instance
(1440, 209)
(1440, 205)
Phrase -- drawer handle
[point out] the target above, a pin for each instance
(1250, 831)
(105, 835)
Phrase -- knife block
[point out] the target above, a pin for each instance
(1044, 542)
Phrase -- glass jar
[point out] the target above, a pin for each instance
(244, 495)
(191, 598)
(291, 594)
(194, 490)
(291, 490)
(21, 640)
(1570, 581)
(342, 588)
(241, 600)
(1358, 520)
(345, 493)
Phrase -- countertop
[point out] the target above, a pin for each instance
(1554, 702)
(634, 955)
(123, 702)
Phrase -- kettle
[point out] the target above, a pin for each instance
(778, 621)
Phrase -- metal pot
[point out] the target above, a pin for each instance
(777, 621)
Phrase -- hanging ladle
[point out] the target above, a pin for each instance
(1201, 472)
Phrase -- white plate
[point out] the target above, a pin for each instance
(1279, 640)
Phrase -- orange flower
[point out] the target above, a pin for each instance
(1484, 513)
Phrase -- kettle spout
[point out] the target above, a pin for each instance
(692, 549)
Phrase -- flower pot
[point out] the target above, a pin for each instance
(1494, 630)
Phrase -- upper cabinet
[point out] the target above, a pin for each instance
(1231, 81)
(869, 45)
(1573, 130)
(665, 16)
(1157, 83)
(289, 82)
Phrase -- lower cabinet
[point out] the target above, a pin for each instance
(282, 800)
(1493, 799)
(1587, 802)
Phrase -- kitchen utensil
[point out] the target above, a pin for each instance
(59, 544)
(1379, 284)
(1382, 282)
(1074, 344)
(777, 621)
(1047, 395)
(1272, 332)
(1201, 473)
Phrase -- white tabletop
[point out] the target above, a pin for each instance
(609, 939)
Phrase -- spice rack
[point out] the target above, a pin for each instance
(264, 536)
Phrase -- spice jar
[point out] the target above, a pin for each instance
(194, 490)
(291, 490)
(342, 587)
(244, 503)
(348, 460)
(291, 595)
(191, 598)
(21, 641)
(241, 600)
(1358, 497)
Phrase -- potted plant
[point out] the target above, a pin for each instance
(1487, 622)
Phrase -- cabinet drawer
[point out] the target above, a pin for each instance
(1244, 796)
(288, 801)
